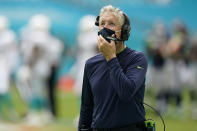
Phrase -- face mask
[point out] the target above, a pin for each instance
(107, 33)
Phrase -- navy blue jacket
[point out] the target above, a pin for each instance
(112, 90)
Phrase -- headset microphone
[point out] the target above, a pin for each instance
(114, 39)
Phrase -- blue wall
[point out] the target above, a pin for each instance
(65, 14)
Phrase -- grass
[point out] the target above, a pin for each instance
(174, 120)
(68, 110)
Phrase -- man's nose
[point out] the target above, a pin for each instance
(106, 25)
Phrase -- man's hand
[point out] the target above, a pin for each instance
(108, 50)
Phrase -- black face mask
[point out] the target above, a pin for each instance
(107, 34)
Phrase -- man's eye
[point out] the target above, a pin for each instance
(112, 24)
(102, 23)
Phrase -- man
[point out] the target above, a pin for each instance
(114, 80)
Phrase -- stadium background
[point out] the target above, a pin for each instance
(65, 15)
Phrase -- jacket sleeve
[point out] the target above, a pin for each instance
(128, 82)
(86, 110)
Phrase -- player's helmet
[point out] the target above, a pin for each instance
(40, 22)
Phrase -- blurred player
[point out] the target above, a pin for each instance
(8, 60)
(41, 51)
(87, 47)
(156, 41)
(191, 81)
(176, 64)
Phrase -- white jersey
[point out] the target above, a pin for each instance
(87, 43)
(40, 50)
(8, 58)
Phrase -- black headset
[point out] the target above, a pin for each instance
(125, 30)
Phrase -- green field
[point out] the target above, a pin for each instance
(68, 110)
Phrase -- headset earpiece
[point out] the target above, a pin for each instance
(97, 20)
(126, 28)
